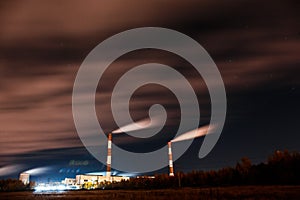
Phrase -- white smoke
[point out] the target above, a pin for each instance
(9, 169)
(38, 170)
(202, 131)
(142, 124)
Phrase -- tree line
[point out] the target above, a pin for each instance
(281, 168)
(9, 185)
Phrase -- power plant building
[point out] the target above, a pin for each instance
(69, 181)
(97, 179)
(24, 177)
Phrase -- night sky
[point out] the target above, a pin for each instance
(255, 45)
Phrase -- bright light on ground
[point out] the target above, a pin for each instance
(54, 188)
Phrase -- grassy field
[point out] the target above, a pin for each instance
(239, 192)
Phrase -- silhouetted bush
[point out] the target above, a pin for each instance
(282, 168)
(12, 185)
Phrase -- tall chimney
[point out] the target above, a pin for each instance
(171, 172)
(108, 162)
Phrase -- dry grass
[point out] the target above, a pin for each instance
(238, 192)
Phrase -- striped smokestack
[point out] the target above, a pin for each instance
(108, 162)
(170, 160)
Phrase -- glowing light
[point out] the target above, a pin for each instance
(114, 173)
(194, 133)
(97, 173)
(128, 174)
(54, 188)
(44, 188)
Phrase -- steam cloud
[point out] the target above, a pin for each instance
(194, 133)
(9, 169)
(142, 124)
(37, 171)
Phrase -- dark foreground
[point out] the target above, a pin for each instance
(240, 192)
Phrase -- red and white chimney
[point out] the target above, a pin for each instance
(108, 161)
(171, 170)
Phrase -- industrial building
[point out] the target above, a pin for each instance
(93, 181)
(24, 177)
(96, 179)
(69, 181)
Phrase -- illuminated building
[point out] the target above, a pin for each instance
(69, 181)
(24, 177)
(97, 179)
